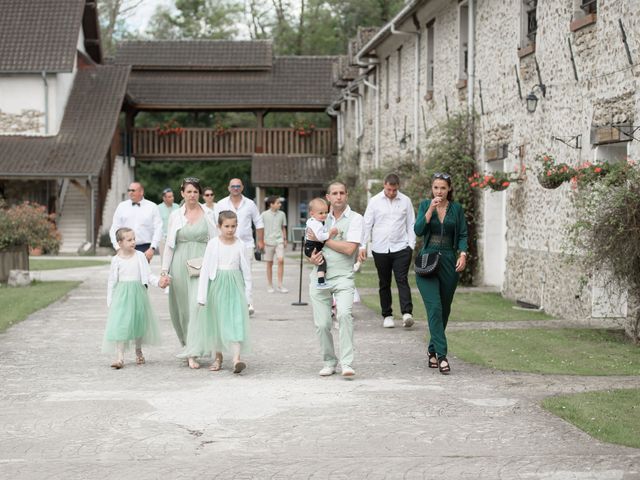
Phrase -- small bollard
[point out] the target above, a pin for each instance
(19, 278)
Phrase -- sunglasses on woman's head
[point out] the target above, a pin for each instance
(444, 176)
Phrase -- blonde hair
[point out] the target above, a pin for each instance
(313, 204)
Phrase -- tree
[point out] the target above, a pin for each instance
(197, 19)
(113, 14)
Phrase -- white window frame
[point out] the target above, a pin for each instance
(463, 39)
(430, 63)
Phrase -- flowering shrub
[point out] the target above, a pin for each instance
(303, 129)
(498, 180)
(220, 129)
(553, 174)
(608, 173)
(28, 223)
(169, 128)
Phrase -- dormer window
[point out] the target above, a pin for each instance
(589, 6)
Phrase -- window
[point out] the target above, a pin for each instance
(589, 6)
(430, 57)
(399, 74)
(529, 23)
(463, 35)
(386, 82)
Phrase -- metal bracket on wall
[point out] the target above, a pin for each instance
(627, 130)
(573, 142)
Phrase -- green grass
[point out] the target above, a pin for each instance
(50, 264)
(611, 416)
(17, 303)
(466, 307)
(548, 351)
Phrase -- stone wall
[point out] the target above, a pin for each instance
(27, 121)
(606, 92)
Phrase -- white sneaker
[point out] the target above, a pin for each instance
(347, 371)
(356, 266)
(270, 290)
(251, 310)
(388, 322)
(283, 290)
(327, 371)
(407, 320)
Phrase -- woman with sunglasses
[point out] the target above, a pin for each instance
(190, 228)
(441, 223)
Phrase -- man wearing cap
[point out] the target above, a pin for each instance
(166, 207)
(142, 216)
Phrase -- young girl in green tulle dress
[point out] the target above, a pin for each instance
(131, 318)
(224, 293)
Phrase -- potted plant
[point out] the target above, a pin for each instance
(169, 128)
(553, 174)
(497, 181)
(303, 129)
(23, 227)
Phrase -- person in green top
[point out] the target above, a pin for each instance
(275, 241)
(166, 207)
(441, 223)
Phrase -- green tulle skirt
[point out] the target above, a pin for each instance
(130, 317)
(223, 321)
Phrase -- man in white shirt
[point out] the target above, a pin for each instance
(388, 222)
(247, 213)
(143, 217)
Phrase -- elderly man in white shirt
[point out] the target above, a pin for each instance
(143, 217)
(247, 213)
(388, 222)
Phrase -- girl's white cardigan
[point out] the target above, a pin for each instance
(210, 268)
(146, 277)
(177, 220)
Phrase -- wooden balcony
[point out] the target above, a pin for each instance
(194, 143)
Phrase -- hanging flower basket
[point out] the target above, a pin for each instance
(549, 182)
(303, 129)
(220, 130)
(169, 128)
(553, 174)
(497, 181)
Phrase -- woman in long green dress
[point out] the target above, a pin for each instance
(190, 228)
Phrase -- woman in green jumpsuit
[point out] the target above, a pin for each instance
(441, 223)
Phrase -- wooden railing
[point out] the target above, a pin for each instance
(233, 142)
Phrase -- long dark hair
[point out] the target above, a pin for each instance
(447, 178)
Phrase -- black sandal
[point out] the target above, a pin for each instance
(443, 365)
(433, 360)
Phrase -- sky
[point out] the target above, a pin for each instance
(140, 19)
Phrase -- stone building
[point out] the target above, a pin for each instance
(574, 60)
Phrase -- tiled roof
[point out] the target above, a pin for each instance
(286, 170)
(38, 35)
(85, 134)
(195, 55)
(303, 82)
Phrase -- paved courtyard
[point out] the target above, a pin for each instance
(66, 415)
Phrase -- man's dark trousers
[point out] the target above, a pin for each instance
(398, 263)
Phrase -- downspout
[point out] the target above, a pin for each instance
(377, 114)
(471, 57)
(331, 111)
(92, 214)
(46, 102)
(416, 98)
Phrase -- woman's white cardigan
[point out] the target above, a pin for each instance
(177, 220)
(210, 268)
(146, 277)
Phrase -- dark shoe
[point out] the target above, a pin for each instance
(443, 365)
(239, 367)
(433, 360)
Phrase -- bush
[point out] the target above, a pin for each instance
(30, 224)
(606, 233)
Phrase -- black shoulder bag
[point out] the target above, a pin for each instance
(426, 264)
